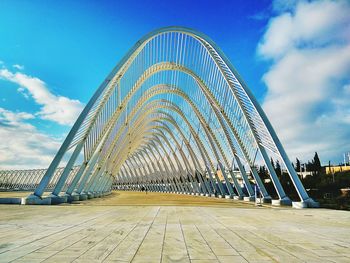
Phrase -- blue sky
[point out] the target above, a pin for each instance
(64, 49)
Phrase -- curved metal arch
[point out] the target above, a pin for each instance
(164, 165)
(168, 66)
(145, 132)
(183, 95)
(183, 116)
(160, 168)
(152, 143)
(152, 176)
(120, 131)
(201, 118)
(192, 130)
(97, 118)
(162, 135)
(174, 123)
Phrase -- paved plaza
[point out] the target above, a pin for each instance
(135, 227)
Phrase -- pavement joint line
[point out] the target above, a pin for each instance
(281, 247)
(119, 227)
(267, 242)
(198, 231)
(165, 227)
(149, 227)
(59, 250)
(183, 235)
(135, 225)
(224, 237)
(206, 242)
(325, 237)
(59, 231)
(76, 242)
(56, 240)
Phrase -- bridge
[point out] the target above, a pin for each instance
(172, 116)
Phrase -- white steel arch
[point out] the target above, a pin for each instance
(173, 115)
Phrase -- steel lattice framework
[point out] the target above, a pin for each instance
(173, 115)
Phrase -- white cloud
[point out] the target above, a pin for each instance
(17, 66)
(13, 118)
(54, 108)
(308, 94)
(22, 145)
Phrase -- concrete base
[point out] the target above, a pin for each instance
(90, 195)
(299, 205)
(309, 203)
(220, 196)
(192, 193)
(281, 202)
(236, 197)
(312, 204)
(228, 196)
(207, 195)
(197, 194)
(10, 200)
(55, 200)
(266, 200)
(35, 200)
(202, 194)
(73, 197)
(249, 198)
(83, 197)
(213, 195)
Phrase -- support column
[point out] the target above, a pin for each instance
(283, 198)
(228, 184)
(67, 169)
(244, 177)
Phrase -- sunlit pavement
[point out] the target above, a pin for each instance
(153, 227)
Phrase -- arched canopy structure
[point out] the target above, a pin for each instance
(173, 115)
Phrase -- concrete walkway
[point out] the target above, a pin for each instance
(161, 229)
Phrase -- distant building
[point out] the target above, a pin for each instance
(235, 172)
(304, 174)
(335, 169)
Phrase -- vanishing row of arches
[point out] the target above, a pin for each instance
(173, 115)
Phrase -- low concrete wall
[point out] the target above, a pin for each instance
(10, 200)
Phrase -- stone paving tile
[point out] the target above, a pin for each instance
(196, 245)
(151, 233)
(232, 259)
(174, 247)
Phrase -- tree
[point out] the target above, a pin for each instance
(278, 169)
(298, 165)
(309, 166)
(316, 164)
(273, 163)
(263, 172)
